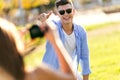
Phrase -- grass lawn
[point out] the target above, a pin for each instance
(105, 55)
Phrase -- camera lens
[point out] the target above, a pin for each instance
(35, 31)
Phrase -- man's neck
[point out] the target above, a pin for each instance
(68, 28)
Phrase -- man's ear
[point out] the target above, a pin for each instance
(74, 11)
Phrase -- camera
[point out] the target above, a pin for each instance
(35, 31)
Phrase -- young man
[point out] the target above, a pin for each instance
(73, 37)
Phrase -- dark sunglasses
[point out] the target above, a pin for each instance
(62, 12)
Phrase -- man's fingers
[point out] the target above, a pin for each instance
(49, 14)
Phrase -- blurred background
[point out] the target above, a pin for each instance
(101, 19)
(21, 11)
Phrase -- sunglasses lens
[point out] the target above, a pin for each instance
(69, 11)
(62, 12)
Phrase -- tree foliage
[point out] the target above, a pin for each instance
(27, 4)
(4, 4)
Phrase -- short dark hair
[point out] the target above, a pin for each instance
(62, 2)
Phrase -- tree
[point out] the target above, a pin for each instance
(27, 4)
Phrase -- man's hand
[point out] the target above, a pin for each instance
(86, 77)
(44, 16)
(51, 34)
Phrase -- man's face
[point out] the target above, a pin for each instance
(65, 12)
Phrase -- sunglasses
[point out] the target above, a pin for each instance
(62, 12)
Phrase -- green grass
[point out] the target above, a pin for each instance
(105, 55)
(34, 59)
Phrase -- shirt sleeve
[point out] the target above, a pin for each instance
(50, 58)
(84, 56)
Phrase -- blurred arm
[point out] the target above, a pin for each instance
(64, 58)
(45, 73)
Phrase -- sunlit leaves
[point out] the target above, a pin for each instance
(29, 3)
(26, 4)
